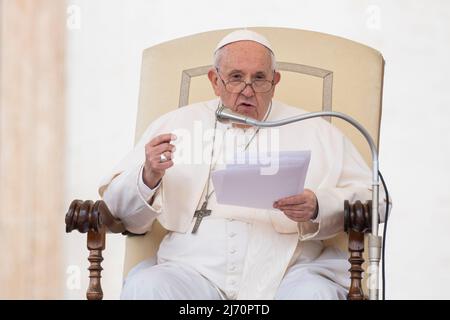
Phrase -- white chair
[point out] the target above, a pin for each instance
(319, 72)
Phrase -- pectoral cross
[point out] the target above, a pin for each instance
(200, 214)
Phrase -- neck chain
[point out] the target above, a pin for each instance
(208, 195)
(203, 212)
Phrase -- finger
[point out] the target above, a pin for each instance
(157, 157)
(168, 155)
(156, 151)
(161, 166)
(302, 197)
(295, 213)
(167, 137)
(163, 157)
(297, 199)
(298, 215)
(307, 205)
(296, 218)
(299, 207)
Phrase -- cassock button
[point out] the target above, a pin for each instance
(233, 251)
(232, 234)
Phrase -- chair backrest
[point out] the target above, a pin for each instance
(319, 72)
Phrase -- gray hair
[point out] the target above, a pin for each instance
(219, 53)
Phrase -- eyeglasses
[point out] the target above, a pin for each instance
(237, 86)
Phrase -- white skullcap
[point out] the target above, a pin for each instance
(243, 35)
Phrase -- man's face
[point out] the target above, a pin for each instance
(246, 61)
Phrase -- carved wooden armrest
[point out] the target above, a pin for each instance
(357, 222)
(96, 220)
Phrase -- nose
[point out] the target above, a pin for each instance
(248, 90)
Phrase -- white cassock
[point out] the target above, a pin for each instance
(237, 253)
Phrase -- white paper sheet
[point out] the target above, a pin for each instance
(259, 184)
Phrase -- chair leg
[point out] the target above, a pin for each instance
(96, 220)
(95, 244)
(356, 248)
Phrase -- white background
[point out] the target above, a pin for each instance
(105, 42)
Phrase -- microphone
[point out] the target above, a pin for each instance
(226, 115)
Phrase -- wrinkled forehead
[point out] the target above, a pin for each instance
(247, 56)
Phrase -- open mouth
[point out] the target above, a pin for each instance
(247, 105)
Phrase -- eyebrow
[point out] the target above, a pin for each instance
(258, 73)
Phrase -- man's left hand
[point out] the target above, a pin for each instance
(300, 208)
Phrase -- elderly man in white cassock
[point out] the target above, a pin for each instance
(233, 252)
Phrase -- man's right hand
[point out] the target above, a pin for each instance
(154, 169)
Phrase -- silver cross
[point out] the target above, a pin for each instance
(200, 214)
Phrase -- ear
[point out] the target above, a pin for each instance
(214, 79)
(276, 78)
